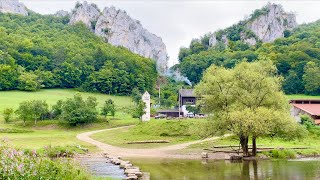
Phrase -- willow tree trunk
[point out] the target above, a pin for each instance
(244, 145)
(254, 146)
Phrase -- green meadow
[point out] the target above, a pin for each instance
(11, 99)
(174, 131)
(53, 132)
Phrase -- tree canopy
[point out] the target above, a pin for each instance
(44, 51)
(246, 100)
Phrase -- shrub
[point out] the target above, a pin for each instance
(62, 151)
(7, 114)
(283, 154)
(17, 164)
(78, 111)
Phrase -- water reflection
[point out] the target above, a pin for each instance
(255, 170)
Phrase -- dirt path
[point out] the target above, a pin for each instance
(162, 152)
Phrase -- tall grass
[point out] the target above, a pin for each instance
(18, 164)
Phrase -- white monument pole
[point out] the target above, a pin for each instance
(146, 100)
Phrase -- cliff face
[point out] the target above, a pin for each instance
(119, 29)
(61, 13)
(270, 26)
(265, 25)
(13, 6)
(86, 13)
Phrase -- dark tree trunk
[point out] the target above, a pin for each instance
(244, 145)
(254, 146)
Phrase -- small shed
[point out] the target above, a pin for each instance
(170, 112)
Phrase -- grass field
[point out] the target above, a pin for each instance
(171, 130)
(50, 133)
(11, 99)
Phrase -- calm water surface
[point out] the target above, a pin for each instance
(304, 169)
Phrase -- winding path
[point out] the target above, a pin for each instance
(162, 152)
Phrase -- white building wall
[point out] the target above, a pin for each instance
(146, 99)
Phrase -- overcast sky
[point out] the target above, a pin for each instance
(177, 22)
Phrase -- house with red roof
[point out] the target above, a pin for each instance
(310, 107)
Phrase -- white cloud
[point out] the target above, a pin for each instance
(177, 22)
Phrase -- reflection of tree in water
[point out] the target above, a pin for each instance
(243, 170)
(245, 174)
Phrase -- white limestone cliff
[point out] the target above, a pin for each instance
(61, 13)
(13, 6)
(119, 29)
(86, 13)
(270, 26)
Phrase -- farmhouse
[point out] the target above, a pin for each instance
(186, 97)
(310, 107)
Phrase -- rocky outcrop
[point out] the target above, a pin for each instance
(86, 13)
(61, 13)
(249, 40)
(270, 26)
(213, 40)
(265, 25)
(13, 6)
(119, 29)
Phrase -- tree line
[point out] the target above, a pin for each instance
(73, 111)
(43, 51)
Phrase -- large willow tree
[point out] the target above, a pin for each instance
(247, 101)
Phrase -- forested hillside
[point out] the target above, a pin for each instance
(42, 51)
(296, 55)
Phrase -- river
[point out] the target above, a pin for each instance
(174, 169)
(303, 169)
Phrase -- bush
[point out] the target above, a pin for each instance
(62, 151)
(78, 111)
(17, 164)
(7, 114)
(283, 154)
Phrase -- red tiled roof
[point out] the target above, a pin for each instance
(317, 121)
(312, 109)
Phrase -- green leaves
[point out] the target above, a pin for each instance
(247, 100)
(32, 110)
(311, 78)
(78, 111)
(66, 56)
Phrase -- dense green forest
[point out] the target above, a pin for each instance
(43, 51)
(297, 56)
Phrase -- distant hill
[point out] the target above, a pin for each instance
(115, 26)
(270, 32)
(44, 51)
